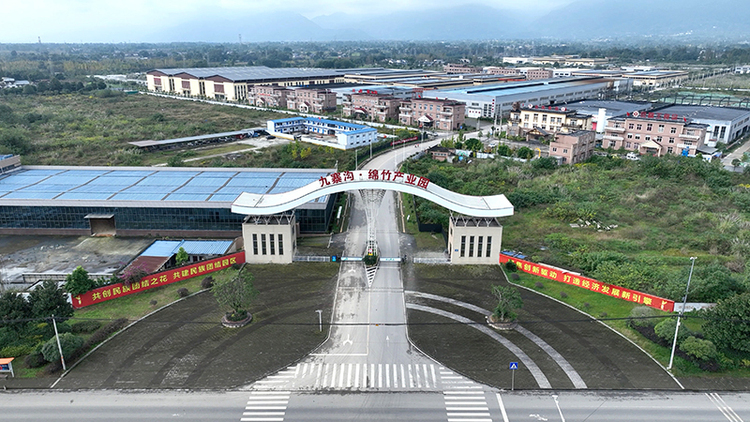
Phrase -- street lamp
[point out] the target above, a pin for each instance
(320, 319)
(684, 302)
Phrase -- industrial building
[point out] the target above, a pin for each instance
(491, 100)
(328, 133)
(725, 124)
(146, 201)
(234, 83)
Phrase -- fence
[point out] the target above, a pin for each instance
(311, 258)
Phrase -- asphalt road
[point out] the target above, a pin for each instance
(422, 407)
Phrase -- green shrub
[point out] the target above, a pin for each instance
(85, 327)
(511, 266)
(183, 292)
(665, 331)
(69, 343)
(207, 282)
(698, 348)
(15, 351)
(35, 359)
(643, 316)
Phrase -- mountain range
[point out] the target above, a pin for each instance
(581, 20)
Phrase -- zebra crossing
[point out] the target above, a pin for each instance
(266, 406)
(465, 400)
(364, 377)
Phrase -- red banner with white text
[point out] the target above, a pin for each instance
(113, 291)
(590, 284)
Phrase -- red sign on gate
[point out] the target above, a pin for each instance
(113, 291)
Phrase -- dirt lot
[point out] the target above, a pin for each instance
(62, 254)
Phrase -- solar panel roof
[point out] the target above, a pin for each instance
(146, 187)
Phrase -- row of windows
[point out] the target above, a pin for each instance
(478, 246)
(147, 218)
(273, 242)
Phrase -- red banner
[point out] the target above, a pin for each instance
(114, 291)
(590, 284)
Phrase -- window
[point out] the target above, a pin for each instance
(554, 149)
(526, 117)
(673, 130)
(471, 246)
(649, 127)
(637, 136)
(671, 140)
(661, 128)
(255, 244)
(648, 137)
(670, 150)
(281, 244)
(263, 243)
(565, 151)
(611, 144)
(631, 126)
(658, 139)
(270, 239)
(463, 246)
(639, 127)
(544, 117)
(489, 246)
(627, 145)
(536, 117)
(630, 136)
(479, 246)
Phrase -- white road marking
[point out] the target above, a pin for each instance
(723, 407)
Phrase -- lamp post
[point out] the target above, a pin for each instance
(684, 301)
(320, 319)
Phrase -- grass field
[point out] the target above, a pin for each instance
(78, 129)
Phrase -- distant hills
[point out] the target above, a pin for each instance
(632, 20)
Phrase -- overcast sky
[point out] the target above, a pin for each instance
(73, 21)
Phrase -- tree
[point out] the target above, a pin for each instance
(79, 282)
(525, 153)
(504, 150)
(736, 163)
(474, 144)
(237, 293)
(14, 311)
(182, 256)
(508, 301)
(727, 323)
(69, 343)
(48, 300)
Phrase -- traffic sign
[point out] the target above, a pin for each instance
(513, 366)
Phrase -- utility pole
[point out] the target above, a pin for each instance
(682, 311)
(59, 347)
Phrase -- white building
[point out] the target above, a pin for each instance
(725, 124)
(742, 69)
(329, 133)
(474, 240)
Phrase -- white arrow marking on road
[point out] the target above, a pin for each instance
(348, 340)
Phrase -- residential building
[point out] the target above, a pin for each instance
(742, 69)
(459, 68)
(574, 147)
(532, 74)
(655, 133)
(373, 107)
(268, 96)
(309, 100)
(602, 110)
(324, 132)
(547, 120)
(436, 113)
(440, 153)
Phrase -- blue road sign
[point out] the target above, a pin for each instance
(513, 366)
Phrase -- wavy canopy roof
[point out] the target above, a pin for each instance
(476, 206)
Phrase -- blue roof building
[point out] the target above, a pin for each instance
(319, 131)
(145, 201)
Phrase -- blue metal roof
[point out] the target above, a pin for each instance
(167, 248)
(102, 185)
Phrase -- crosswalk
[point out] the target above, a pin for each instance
(355, 377)
(266, 406)
(465, 400)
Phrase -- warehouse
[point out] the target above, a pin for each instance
(146, 201)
